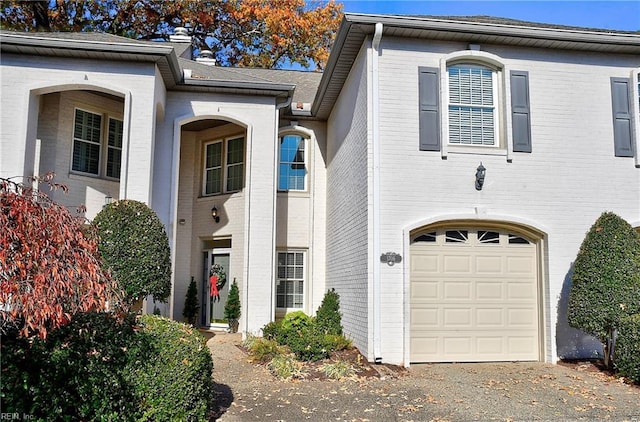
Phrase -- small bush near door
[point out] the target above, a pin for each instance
(311, 339)
(627, 358)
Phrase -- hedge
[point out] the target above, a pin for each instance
(627, 357)
(107, 369)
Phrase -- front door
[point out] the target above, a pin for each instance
(213, 309)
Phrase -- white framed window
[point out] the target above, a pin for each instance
(290, 280)
(223, 168)
(292, 169)
(90, 144)
(472, 101)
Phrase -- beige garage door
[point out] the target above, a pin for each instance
(473, 297)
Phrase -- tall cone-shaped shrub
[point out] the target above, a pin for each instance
(606, 280)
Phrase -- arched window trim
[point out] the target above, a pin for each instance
(308, 137)
(503, 88)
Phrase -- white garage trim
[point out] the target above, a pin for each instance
(515, 336)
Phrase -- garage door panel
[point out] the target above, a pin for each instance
(456, 290)
(425, 264)
(489, 290)
(490, 318)
(424, 290)
(456, 264)
(489, 264)
(457, 318)
(520, 264)
(425, 318)
(473, 301)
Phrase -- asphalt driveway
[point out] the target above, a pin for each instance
(433, 392)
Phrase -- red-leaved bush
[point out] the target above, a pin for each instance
(49, 268)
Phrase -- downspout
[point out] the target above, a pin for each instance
(375, 130)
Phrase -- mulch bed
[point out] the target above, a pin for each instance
(597, 368)
(363, 368)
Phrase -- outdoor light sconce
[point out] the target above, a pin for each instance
(480, 173)
(390, 258)
(107, 200)
(214, 214)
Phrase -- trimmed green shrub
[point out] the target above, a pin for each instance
(308, 344)
(627, 357)
(272, 330)
(606, 280)
(295, 321)
(79, 373)
(191, 306)
(134, 246)
(232, 307)
(101, 368)
(328, 317)
(337, 342)
(171, 371)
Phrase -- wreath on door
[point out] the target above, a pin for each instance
(217, 280)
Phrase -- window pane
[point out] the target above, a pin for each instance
(114, 148)
(471, 105)
(86, 142)
(234, 177)
(485, 236)
(113, 162)
(214, 155)
(86, 157)
(213, 181)
(292, 169)
(290, 282)
(235, 153)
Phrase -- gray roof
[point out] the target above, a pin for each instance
(355, 28)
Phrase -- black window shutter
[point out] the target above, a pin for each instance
(428, 103)
(520, 111)
(621, 117)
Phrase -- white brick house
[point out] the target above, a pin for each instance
(362, 178)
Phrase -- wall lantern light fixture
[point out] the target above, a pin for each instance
(480, 174)
(214, 214)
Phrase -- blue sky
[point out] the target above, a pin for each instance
(617, 15)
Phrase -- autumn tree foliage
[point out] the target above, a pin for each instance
(261, 33)
(49, 269)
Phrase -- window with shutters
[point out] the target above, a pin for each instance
(472, 98)
(462, 106)
(223, 167)
(97, 144)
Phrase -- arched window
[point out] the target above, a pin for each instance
(473, 115)
(292, 169)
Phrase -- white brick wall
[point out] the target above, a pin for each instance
(347, 205)
(253, 242)
(561, 187)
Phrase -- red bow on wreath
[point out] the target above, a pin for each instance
(215, 294)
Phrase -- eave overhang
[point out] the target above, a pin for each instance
(355, 28)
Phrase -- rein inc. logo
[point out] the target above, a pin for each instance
(16, 417)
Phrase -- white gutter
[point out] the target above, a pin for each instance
(375, 130)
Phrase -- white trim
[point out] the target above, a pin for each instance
(375, 133)
(635, 113)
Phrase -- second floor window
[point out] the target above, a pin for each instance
(90, 145)
(223, 166)
(472, 105)
(292, 170)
